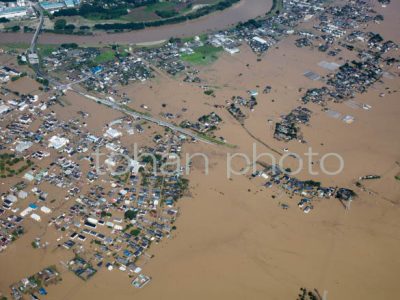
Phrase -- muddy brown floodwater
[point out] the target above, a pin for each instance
(243, 11)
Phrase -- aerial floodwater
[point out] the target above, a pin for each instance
(200, 160)
(241, 12)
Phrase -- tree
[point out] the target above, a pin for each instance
(130, 214)
(60, 24)
(15, 28)
(4, 20)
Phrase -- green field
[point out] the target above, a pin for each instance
(160, 6)
(203, 55)
(15, 46)
(45, 50)
(277, 7)
(105, 56)
(149, 12)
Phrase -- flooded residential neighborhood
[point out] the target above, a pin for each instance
(227, 150)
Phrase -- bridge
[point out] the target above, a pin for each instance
(39, 10)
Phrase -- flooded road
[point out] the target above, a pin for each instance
(243, 11)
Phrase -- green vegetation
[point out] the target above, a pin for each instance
(128, 226)
(130, 214)
(15, 78)
(69, 46)
(145, 179)
(174, 20)
(46, 50)
(15, 46)
(28, 29)
(11, 165)
(164, 10)
(183, 184)
(60, 24)
(105, 214)
(135, 111)
(397, 177)
(94, 12)
(202, 55)
(122, 178)
(4, 20)
(215, 140)
(148, 159)
(15, 28)
(43, 81)
(104, 57)
(17, 233)
(276, 9)
(135, 232)
(158, 6)
(312, 183)
(167, 13)
(209, 92)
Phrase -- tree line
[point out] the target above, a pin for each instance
(174, 20)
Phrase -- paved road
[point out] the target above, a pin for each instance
(118, 107)
(39, 9)
(60, 86)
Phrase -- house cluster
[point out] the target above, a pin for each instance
(342, 23)
(261, 35)
(121, 72)
(316, 95)
(250, 102)
(221, 40)
(83, 65)
(80, 267)
(205, 123)
(25, 105)
(7, 74)
(236, 103)
(10, 225)
(235, 110)
(108, 223)
(354, 77)
(307, 190)
(337, 29)
(288, 128)
(166, 57)
(18, 112)
(114, 224)
(35, 285)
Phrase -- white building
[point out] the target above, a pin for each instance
(45, 209)
(22, 194)
(22, 146)
(4, 77)
(36, 217)
(135, 166)
(259, 40)
(232, 50)
(112, 133)
(13, 12)
(57, 142)
(4, 109)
